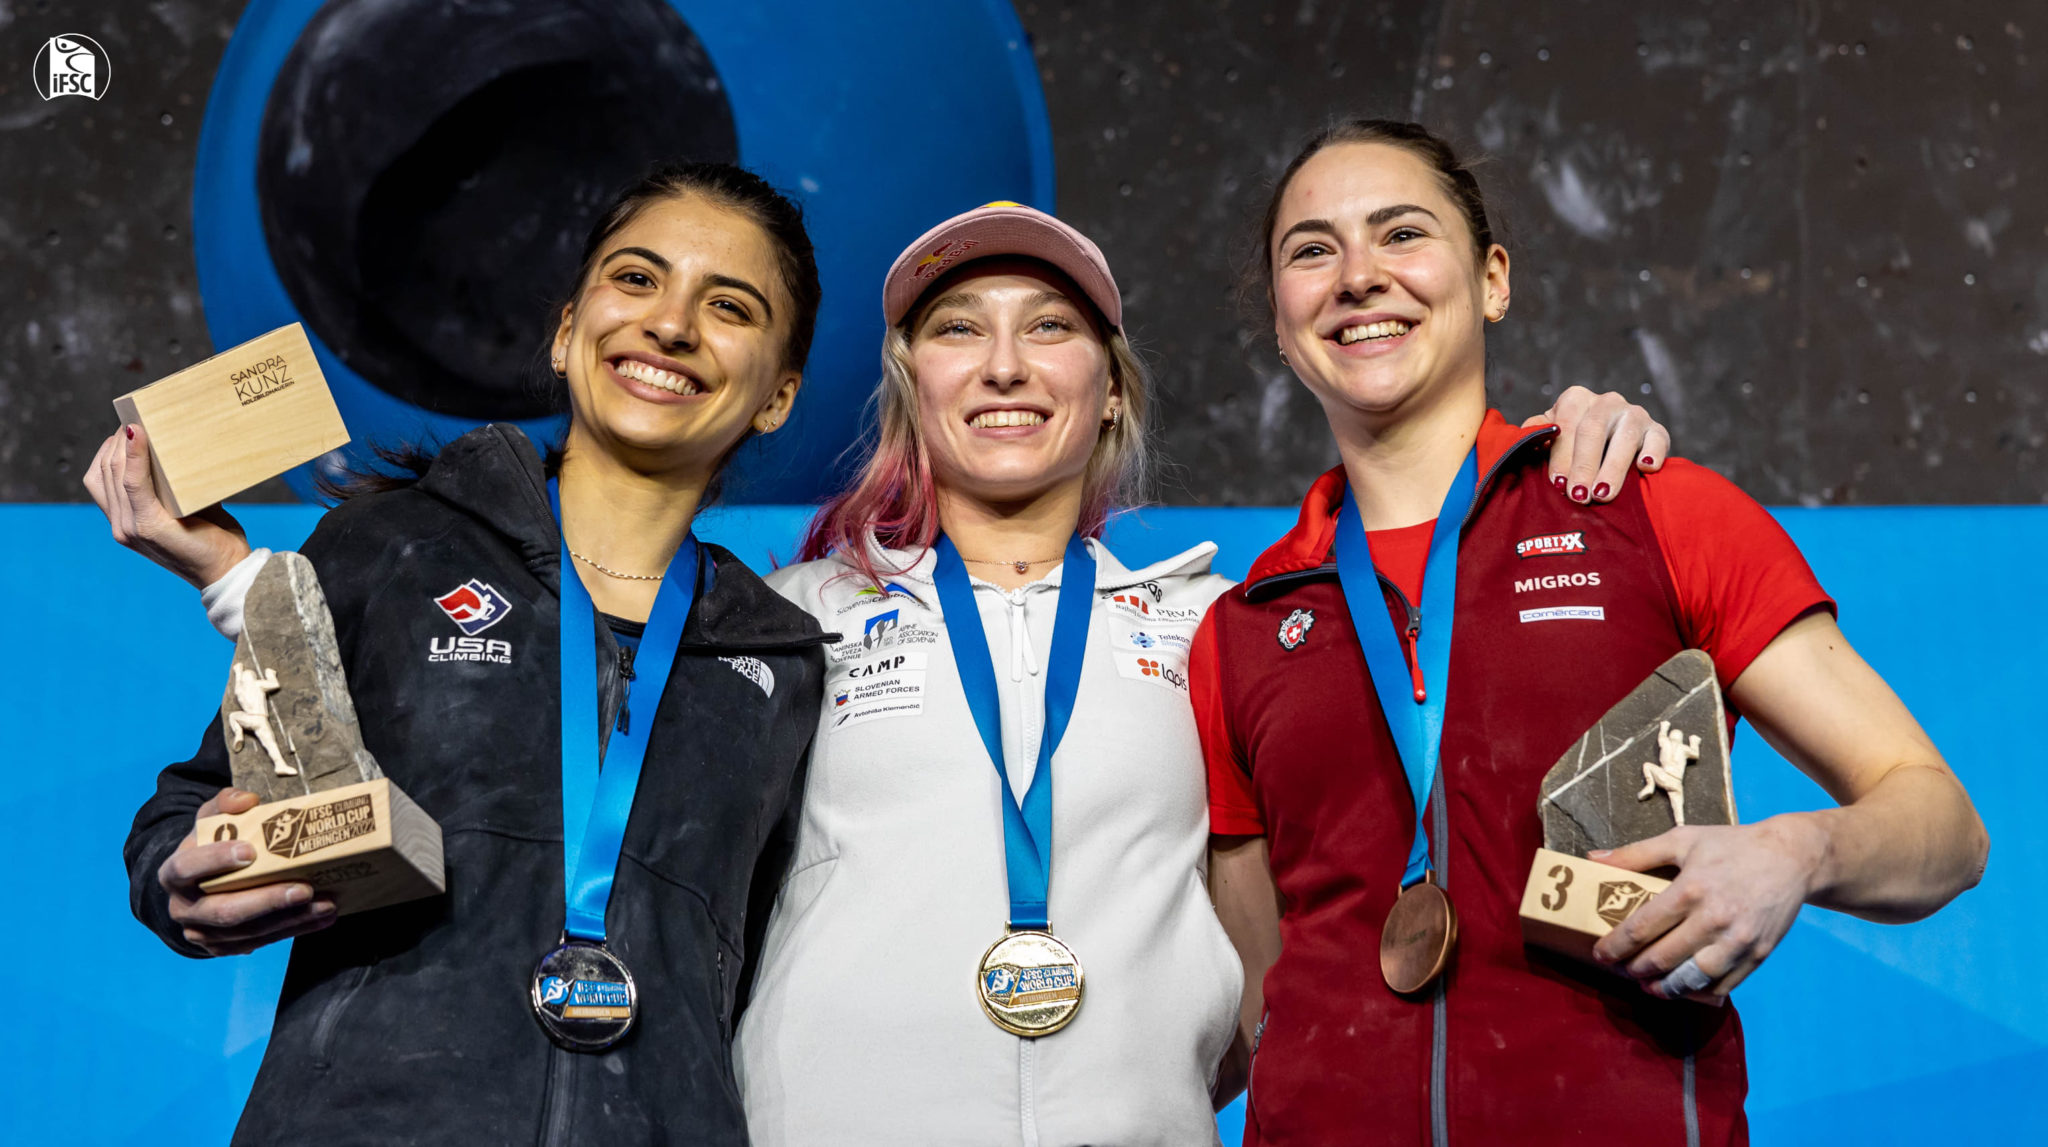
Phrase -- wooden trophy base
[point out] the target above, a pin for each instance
(1571, 902)
(364, 845)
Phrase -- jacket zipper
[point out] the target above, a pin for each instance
(1439, 1038)
(625, 722)
(330, 1018)
(1251, 1071)
(554, 1114)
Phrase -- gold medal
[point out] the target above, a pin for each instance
(1029, 983)
(1417, 940)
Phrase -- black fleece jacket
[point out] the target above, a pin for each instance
(410, 1024)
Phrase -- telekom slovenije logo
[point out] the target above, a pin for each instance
(71, 65)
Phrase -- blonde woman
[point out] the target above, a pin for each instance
(996, 927)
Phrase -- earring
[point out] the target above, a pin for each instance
(1499, 315)
(559, 372)
(1283, 357)
(1115, 419)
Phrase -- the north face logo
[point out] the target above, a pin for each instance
(1546, 544)
(474, 606)
(756, 670)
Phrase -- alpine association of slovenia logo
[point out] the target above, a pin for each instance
(71, 65)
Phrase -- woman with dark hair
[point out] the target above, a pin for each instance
(425, 1023)
(996, 927)
(1388, 747)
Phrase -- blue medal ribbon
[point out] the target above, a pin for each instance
(1027, 828)
(596, 802)
(1414, 710)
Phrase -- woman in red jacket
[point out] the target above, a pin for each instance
(1380, 699)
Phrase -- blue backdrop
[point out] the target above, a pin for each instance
(1932, 1032)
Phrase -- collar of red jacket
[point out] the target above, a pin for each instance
(1307, 545)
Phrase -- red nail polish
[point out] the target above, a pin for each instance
(130, 432)
(1649, 461)
(1558, 481)
(1578, 493)
(1600, 491)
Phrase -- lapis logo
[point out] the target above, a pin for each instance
(474, 606)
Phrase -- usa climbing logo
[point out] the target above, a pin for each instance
(474, 606)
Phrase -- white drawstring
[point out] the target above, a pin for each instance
(1023, 659)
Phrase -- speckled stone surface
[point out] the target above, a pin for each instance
(1801, 235)
(286, 629)
(1593, 797)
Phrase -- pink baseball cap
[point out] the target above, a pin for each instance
(1000, 228)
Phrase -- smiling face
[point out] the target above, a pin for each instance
(1379, 296)
(1013, 381)
(677, 342)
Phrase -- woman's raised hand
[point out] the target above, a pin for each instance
(201, 548)
(1599, 436)
(231, 923)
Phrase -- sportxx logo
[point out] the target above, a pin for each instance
(1544, 545)
(71, 65)
(474, 606)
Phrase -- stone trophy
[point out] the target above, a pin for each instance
(1656, 760)
(328, 816)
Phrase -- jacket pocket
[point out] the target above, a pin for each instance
(351, 983)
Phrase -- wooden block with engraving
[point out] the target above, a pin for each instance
(1657, 759)
(1570, 902)
(247, 414)
(366, 845)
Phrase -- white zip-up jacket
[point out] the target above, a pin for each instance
(864, 1025)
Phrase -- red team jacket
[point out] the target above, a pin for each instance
(1518, 1047)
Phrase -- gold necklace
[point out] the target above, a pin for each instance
(1021, 567)
(604, 569)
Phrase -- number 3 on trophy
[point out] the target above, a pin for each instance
(1561, 873)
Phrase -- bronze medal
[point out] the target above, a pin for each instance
(1029, 983)
(1417, 940)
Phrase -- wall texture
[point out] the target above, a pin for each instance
(1796, 231)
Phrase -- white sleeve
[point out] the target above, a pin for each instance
(223, 599)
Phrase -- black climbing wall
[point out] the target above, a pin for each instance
(1809, 236)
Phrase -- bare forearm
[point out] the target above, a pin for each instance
(1900, 851)
(1248, 906)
